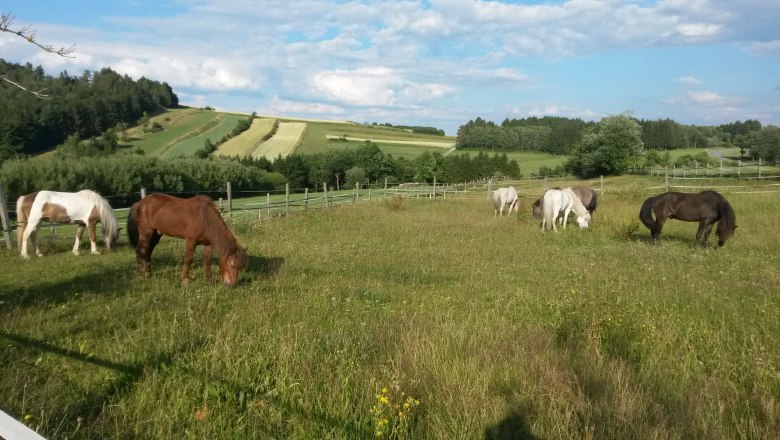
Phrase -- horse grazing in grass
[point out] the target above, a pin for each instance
(505, 196)
(707, 208)
(197, 221)
(85, 208)
(557, 201)
(586, 194)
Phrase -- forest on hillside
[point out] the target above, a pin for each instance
(86, 105)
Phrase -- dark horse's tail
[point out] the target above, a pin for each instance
(132, 227)
(646, 214)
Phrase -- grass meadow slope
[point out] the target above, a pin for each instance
(429, 319)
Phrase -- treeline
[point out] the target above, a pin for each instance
(548, 134)
(121, 176)
(367, 164)
(413, 128)
(85, 105)
(558, 135)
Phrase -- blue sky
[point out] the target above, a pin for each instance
(436, 62)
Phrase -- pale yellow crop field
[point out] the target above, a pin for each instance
(283, 143)
(245, 143)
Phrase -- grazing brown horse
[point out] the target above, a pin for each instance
(707, 208)
(586, 194)
(197, 221)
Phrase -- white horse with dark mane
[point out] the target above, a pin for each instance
(505, 196)
(85, 208)
(557, 202)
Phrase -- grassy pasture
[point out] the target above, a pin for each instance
(529, 161)
(497, 330)
(245, 143)
(215, 129)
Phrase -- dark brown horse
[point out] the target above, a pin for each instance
(197, 221)
(707, 208)
(586, 194)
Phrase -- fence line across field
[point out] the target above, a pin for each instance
(283, 203)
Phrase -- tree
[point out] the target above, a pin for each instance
(608, 148)
(6, 25)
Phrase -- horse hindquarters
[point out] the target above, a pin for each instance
(646, 216)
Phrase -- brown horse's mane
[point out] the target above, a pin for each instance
(222, 240)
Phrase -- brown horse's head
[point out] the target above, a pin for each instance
(724, 233)
(230, 266)
(536, 210)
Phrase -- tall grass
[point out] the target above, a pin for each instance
(497, 329)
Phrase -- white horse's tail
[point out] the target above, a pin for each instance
(107, 217)
(21, 221)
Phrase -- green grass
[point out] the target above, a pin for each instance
(498, 330)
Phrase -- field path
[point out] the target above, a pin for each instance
(287, 137)
(391, 141)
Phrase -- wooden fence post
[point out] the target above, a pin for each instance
(143, 192)
(667, 181)
(287, 199)
(325, 190)
(230, 199)
(385, 194)
(601, 180)
(306, 199)
(268, 203)
(355, 194)
(759, 167)
(4, 218)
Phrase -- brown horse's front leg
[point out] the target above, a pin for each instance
(207, 261)
(703, 233)
(189, 253)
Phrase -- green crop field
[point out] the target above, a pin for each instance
(283, 143)
(215, 130)
(182, 125)
(429, 319)
(245, 143)
(315, 140)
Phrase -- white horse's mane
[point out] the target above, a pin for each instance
(107, 218)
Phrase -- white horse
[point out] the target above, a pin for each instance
(85, 208)
(505, 196)
(556, 202)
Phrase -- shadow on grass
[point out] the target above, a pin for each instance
(90, 407)
(264, 267)
(512, 427)
(104, 282)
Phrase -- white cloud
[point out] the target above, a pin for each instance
(374, 86)
(765, 47)
(689, 81)
(286, 107)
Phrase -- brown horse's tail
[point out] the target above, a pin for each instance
(21, 221)
(132, 227)
(646, 215)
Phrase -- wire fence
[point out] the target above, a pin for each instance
(258, 206)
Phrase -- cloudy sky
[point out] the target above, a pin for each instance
(434, 62)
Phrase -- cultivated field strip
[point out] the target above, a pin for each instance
(448, 144)
(195, 140)
(283, 143)
(245, 143)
